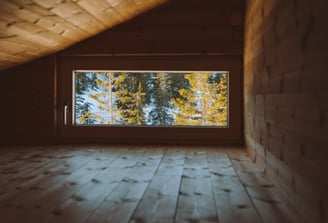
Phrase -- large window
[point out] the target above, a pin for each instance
(151, 98)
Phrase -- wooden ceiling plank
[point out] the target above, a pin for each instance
(114, 3)
(55, 29)
(16, 44)
(73, 13)
(101, 10)
(36, 8)
(74, 32)
(14, 52)
(60, 25)
(37, 28)
(86, 22)
(19, 11)
(17, 58)
(31, 33)
(22, 57)
(58, 39)
(7, 19)
(48, 4)
(28, 27)
(11, 58)
(126, 9)
(116, 6)
(33, 19)
(66, 10)
(63, 28)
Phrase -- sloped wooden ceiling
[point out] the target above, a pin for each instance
(34, 28)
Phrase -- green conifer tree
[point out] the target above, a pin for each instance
(204, 104)
(83, 82)
(130, 98)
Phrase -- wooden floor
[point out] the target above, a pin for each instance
(120, 184)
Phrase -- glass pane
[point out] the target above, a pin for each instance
(151, 98)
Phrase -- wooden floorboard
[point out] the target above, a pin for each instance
(137, 184)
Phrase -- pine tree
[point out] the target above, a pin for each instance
(160, 114)
(83, 82)
(163, 87)
(221, 104)
(189, 107)
(86, 117)
(104, 98)
(205, 103)
(130, 98)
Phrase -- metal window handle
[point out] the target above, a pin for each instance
(65, 114)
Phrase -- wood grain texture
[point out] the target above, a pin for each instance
(51, 26)
(109, 183)
(285, 99)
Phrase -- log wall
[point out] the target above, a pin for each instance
(285, 98)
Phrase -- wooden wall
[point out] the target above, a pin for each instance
(180, 27)
(286, 105)
(27, 96)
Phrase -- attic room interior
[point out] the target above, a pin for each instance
(163, 111)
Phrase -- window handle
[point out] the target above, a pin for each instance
(65, 114)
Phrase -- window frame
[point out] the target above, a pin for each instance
(75, 73)
(70, 133)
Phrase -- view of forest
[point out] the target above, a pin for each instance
(151, 98)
